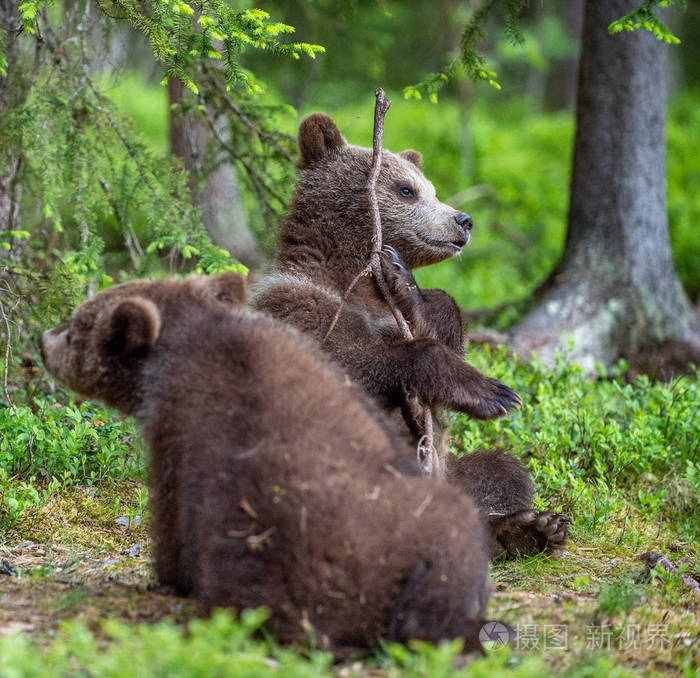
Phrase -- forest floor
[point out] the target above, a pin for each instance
(86, 555)
(77, 557)
(620, 457)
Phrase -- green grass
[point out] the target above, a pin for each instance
(622, 459)
(223, 646)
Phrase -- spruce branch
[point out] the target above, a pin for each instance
(264, 136)
(474, 61)
(262, 187)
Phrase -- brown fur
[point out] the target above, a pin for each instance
(272, 481)
(326, 240)
(501, 487)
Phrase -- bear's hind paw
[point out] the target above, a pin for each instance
(529, 532)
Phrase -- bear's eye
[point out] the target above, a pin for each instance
(407, 192)
(68, 337)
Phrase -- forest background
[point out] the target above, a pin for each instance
(93, 192)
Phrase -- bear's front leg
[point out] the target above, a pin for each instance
(403, 288)
(466, 389)
(431, 314)
(437, 376)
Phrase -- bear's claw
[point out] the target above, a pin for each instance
(389, 250)
(495, 402)
(529, 532)
(400, 280)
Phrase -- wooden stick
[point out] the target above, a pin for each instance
(427, 456)
(365, 272)
(380, 108)
(374, 267)
(653, 559)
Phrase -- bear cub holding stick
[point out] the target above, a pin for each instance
(272, 479)
(325, 241)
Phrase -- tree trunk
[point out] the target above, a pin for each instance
(561, 81)
(10, 160)
(615, 291)
(219, 198)
(9, 22)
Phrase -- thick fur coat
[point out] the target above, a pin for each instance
(325, 241)
(272, 481)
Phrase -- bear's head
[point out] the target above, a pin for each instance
(102, 352)
(334, 174)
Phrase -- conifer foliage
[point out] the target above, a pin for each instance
(474, 62)
(79, 186)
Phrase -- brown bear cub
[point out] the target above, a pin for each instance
(325, 241)
(272, 481)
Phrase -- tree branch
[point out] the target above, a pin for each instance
(653, 559)
(264, 137)
(427, 456)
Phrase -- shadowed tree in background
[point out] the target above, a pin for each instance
(214, 190)
(9, 170)
(615, 290)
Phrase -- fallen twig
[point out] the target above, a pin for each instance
(654, 559)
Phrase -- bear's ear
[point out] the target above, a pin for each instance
(133, 325)
(229, 289)
(412, 156)
(318, 134)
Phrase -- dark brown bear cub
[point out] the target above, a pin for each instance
(272, 482)
(325, 240)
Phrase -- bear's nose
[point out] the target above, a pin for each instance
(464, 221)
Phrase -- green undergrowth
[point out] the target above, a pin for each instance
(224, 646)
(621, 458)
(609, 453)
(55, 444)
